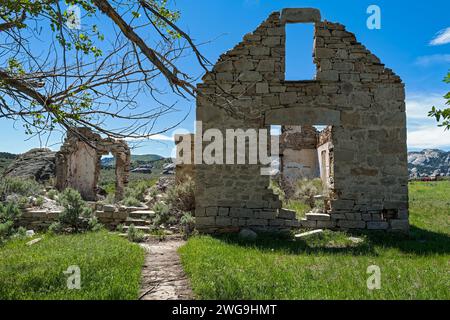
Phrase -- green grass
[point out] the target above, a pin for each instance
(110, 267)
(299, 207)
(329, 266)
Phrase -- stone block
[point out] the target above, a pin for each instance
(308, 223)
(377, 225)
(262, 87)
(109, 208)
(287, 214)
(205, 221)
(224, 211)
(397, 224)
(211, 211)
(223, 221)
(317, 216)
(257, 222)
(295, 15)
(326, 224)
(351, 224)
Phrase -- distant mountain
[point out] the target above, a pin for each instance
(428, 162)
(136, 160)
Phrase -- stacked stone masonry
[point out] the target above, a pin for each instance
(353, 93)
(78, 162)
(108, 215)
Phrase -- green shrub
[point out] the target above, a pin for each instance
(187, 221)
(23, 202)
(137, 191)
(110, 199)
(131, 202)
(94, 225)
(135, 235)
(39, 201)
(161, 213)
(19, 186)
(74, 209)
(181, 197)
(52, 194)
(120, 227)
(9, 214)
(307, 189)
(276, 188)
(55, 228)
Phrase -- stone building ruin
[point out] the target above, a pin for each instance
(78, 162)
(362, 152)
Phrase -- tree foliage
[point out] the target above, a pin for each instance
(57, 76)
(443, 115)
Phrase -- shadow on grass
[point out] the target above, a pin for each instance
(418, 242)
(277, 242)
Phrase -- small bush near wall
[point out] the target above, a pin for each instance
(9, 214)
(76, 215)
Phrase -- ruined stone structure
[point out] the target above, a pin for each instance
(298, 153)
(78, 162)
(363, 150)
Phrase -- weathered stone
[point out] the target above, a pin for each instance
(37, 164)
(292, 15)
(78, 162)
(248, 234)
(360, 156)
(317, 216)
(377, 225)
(286, 214)
(308, 233)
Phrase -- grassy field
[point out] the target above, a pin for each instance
(110, 267)
(331, 266)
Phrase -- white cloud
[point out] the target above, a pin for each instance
(432, 59)
(442, 37)
(429, 137)
(418, 105)
(160, 137)
(423, 131)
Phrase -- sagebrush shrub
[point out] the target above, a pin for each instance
(161, 213)
(52, 194)
(9, 214)
(19, 186)
(307, 189)
(135, 235)
(131, 202)
(181, 197)
(74, 209)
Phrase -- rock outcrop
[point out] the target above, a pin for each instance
(38, 164)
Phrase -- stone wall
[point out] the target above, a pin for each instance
(353, 92)
(298, 151)
(78, 162)
(109, 216)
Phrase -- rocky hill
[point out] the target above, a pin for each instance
(38, 164)
(428, 162)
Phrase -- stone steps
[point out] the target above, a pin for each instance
(313, 216)
(136, 222)
(141, 214)
(145, 229)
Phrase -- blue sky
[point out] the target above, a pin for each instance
(409, 42)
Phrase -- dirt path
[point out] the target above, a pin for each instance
(163, 277)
